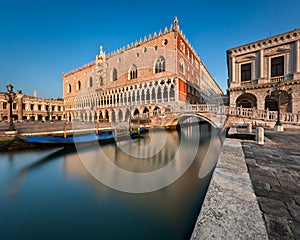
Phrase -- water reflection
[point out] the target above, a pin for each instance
(57, 190)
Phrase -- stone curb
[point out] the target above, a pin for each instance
(230, 209)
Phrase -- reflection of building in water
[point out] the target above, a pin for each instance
(259, 70)
(32, 108)
(166, 202)
(150, 74)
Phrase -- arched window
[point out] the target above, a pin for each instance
(181, 66)
(182, 46)
(160, 65)
(132, 72)
(91, 82)
(113, 75)
(197, 80)
(69, 88)
(78, 86)
(101, 81)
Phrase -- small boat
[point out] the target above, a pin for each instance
(108, 136)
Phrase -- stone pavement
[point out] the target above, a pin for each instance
(274, 170)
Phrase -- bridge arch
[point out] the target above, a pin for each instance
(177, 118)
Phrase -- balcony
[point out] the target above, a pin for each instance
(250, 82)
(281, 78)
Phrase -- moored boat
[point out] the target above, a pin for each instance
(108, 136)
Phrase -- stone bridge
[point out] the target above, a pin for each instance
(221, 116)
(167, 114)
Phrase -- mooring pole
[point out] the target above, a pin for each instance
(65, 129)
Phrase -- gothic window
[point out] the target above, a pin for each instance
(160, 65)
(114, 75)
(181, 66)
(197, 64)
(246, 72)
(69, 88)
(132, 73)
(78, 86)
(91, 82)
(197, 80)
(277, 66)
(101, 81)
(182, 46)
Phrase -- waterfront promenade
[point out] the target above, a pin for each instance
(268, 208)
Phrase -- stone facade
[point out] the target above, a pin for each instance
(145, 76)
(260, 70)
(32, 108)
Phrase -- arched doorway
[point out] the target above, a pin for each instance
(271, 101)
(246, 100)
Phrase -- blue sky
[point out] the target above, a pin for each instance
(41, 39)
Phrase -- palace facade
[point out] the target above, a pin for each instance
(265, 73)
(149, 75)
(31, 108)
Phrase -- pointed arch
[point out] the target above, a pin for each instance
(181, 66)
(132, 72)
(90, 82)
(160, 65)
(69, 88)
(113, 75)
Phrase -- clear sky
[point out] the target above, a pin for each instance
(41, 39)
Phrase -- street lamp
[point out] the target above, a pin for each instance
(10, 93)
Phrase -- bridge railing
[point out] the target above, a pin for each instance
(250, 113)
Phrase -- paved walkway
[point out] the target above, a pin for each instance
(271, 172)
(274, 170)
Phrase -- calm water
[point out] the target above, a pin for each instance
(50, 194)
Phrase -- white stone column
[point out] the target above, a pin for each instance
(261, 63)
(233, 79)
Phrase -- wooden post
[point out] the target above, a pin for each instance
(139, 129)
(97, 126)
(65, 129)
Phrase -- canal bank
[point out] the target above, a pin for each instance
(230, 209)
(255, 190)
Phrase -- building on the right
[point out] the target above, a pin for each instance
(266, 74)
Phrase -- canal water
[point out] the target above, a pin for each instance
(60, 193)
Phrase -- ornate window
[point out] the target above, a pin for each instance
(246, 72)
(101, 81)
(197, 80)
(182, 46)
(181, 66)
(91, 82)
(277, 66)
(160, 65)
(113, 75)
(132, 73)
